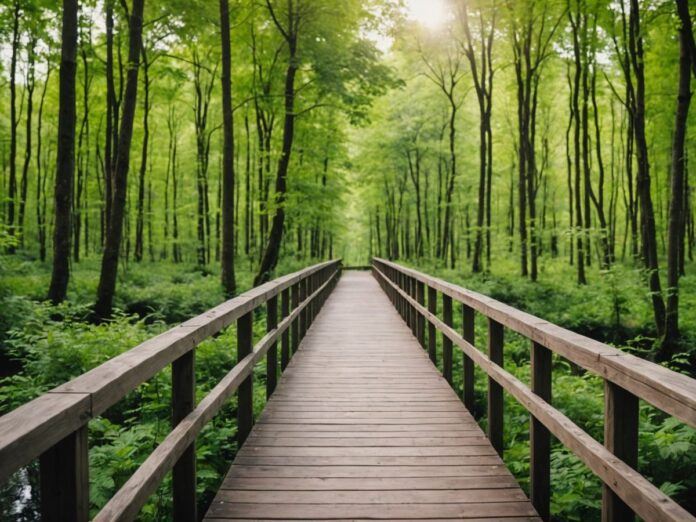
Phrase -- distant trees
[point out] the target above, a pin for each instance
(584, 156)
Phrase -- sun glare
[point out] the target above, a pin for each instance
(430, 13)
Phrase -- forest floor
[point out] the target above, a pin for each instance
(42, 346)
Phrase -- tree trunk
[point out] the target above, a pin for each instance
(676, 206)
(65, 161)
(40, 175)
(107, 280)
(140, 205)
(647, 214)
(14, 122)
(272, 251)
(27, 150)
(228, 279)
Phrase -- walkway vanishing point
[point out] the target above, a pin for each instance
(361, 425)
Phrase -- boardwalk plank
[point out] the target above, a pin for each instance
(362, 426)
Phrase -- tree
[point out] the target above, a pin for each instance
(65, 162)
(482, 75)
(687, 61)
(228, 224)
(533, 29)
(446, 73)
(109, 266)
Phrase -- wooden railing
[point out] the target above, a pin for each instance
(53, 427)
(627, 378)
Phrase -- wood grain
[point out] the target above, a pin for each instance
(361, 425)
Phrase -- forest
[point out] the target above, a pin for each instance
(159, 157)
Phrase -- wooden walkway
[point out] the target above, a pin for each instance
(362, 426)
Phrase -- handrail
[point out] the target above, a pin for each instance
(625, 490)
(54, 425)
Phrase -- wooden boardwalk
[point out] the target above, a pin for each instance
(362, 426)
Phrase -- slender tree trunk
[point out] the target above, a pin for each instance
(40, 175)
(65, 162)
(14, 122)
(228, 279)
(107, 280)
(577, 151)
(643, 175)
(27, 151)
(140, 205)
(111, 115)
(676, 206)
(272, 251)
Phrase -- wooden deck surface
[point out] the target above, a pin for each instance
(362, 426)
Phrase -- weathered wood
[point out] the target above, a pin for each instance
(495, 390)
(420, 320)
(446, 342)
(245, 393)
(184, 472)
(295, 330)
(412, 311)
(272, 355)
(64, 471)
(303, 314)
(109, 382)
(469, 335)
(432, 335)
(35, 427)
(645, 499)
(40, 426)
(621, 438)
(126, 504)
(539, 436)
(665, 389)
(361, 425)
(285, 340)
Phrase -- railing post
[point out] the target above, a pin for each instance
(285, 340)
(183, 402)
(420, 319)
(311, 285)
(539, 436)
(245, 392)
(495, 391)
(64, 471)
(413, 314)
(295, 327)
(432, 339)
(402, 302)
(446, 341)
(621, 438)
(303, 313)
(468, 332)
(272, 355)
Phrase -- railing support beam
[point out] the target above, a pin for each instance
(64, 471)
(539, 436)
(285, 339)
(272, 355)
(446, 341)
(621, 438)
(468, 320)
(495, 391)
(245, 393)
(432, 331)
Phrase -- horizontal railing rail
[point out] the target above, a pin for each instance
(627, 378)
(53, 427)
